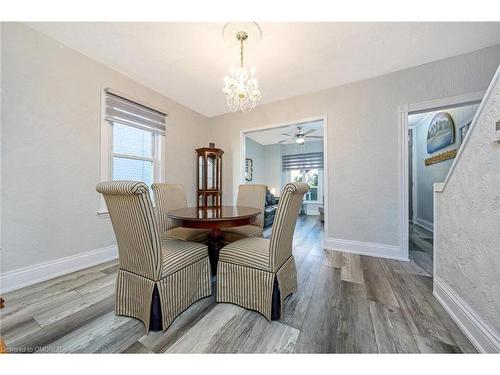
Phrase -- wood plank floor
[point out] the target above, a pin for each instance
(344, 304)
(421, 247)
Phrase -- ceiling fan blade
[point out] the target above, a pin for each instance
(283, 141)
(288, 135)
(314, 136)
(309, 131)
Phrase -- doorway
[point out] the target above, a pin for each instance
(294, 151)
(434, 138)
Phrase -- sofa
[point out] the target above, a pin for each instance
(270, 209)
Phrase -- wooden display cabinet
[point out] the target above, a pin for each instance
(209, 177)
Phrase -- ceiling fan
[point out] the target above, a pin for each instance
(300, 136)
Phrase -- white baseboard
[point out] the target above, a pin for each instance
(483, 337)
(366, 248)
(426, 224)
(30, 275)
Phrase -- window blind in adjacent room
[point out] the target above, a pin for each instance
(127, 112)
(311, 160)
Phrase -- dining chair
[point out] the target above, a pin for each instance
(170, 197)
(258, 273)
(157, 280)
(249, 195)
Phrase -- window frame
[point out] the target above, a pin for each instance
(288, 178)
(107, 153)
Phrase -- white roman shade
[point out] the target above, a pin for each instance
(311, 160)
(128, 112)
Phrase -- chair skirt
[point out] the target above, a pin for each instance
(134, 293)
(252, 288)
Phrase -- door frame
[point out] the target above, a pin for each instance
(414, 165)
(414, 174)
(404, 111)
(284, 124)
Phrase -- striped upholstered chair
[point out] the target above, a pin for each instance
(157, 280)
(257, 273)
(170, 197)
(248, 196)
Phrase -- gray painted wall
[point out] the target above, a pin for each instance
(50, 153)
(292, 149)
(272, 157)
(363, 141)
(466, 254)
(255, 151)
(426, 176)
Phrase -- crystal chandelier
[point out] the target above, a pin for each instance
(241, 88)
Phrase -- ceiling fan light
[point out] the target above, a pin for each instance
(299, 141)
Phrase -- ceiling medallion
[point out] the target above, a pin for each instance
(241, 87)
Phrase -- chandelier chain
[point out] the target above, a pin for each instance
(241, 52)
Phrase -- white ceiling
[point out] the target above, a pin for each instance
(188, 61)
(274, 135)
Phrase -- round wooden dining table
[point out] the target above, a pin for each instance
(215, 219)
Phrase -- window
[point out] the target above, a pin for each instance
(132, 141)
(314, 178)
(132, 154)
(306, 168)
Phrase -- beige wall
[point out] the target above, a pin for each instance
(363, 143)
(51, 147)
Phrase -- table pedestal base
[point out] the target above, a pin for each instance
(214, 218)
(215, 243)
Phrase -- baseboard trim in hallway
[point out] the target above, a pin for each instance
(30, 275)
(366, 248)
(480, 334)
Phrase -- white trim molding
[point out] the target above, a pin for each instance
(482, 336)
(404, 222)
(414, 176)
(438, 188)
(30, 275)
(426, 224)
(366, 248)
(443, 103)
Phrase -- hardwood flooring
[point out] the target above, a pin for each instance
(345, 303)
(421, 245)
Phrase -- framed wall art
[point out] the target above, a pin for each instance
(248, 169)
(441, 132)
